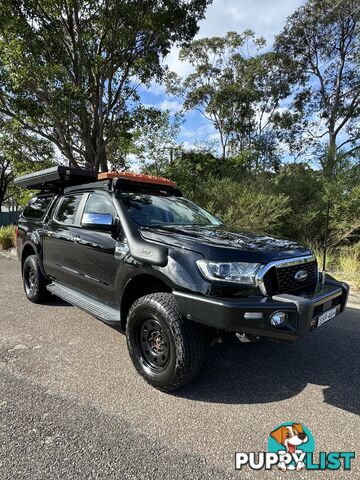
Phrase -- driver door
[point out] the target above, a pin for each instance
(95, 248)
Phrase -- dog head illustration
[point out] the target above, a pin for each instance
(290, 436)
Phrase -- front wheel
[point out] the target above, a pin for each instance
(166, 349)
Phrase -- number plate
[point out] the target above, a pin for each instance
(326, 316)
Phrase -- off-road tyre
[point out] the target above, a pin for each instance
(166, 349)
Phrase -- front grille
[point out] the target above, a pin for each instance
(288, 283)
(282, 279)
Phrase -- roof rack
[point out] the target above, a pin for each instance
(137, 177)
(135, 182)
(55, 178)
(61, 178)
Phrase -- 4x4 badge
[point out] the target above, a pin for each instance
(301, 275)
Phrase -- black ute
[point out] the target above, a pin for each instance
(131, 251)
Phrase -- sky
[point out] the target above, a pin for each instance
(266, 18)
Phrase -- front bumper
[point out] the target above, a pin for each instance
(252, 315)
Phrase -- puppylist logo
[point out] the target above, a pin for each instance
(291, 446)
(291, 441)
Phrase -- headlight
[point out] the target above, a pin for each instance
(236, 272)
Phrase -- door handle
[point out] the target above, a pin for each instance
(76, 238)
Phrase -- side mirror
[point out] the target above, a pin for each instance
(98, 221)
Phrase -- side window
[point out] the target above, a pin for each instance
(98, 205)
(67, 209)
(37, 208)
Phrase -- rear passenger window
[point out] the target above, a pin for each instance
(67, 210)
(37, 208)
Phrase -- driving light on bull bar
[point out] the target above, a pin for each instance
(235, 272)
(278, 318)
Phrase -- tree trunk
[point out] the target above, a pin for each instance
(331, 156)
(88, 165)
(104, 165)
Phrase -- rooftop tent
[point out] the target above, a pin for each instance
(55, 178)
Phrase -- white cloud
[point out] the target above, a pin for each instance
(204, 130)
(265, 17)
(174, 64)
(154, 88)
(170, 104)
(158, 98)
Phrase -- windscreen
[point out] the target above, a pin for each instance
(162, 210)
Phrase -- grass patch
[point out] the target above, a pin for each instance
(331, 256)
(343, 263)
(7, 237)
(349, 266)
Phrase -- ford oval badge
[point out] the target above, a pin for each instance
(301, 275)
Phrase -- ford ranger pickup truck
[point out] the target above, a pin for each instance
(130, 250)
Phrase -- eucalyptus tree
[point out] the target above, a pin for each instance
(320, 49)
(156, 144)
(69, 69)
(20, 152)
(237, 86)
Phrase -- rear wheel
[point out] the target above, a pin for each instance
(166, 349)
(34, 280)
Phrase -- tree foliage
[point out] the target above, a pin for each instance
(69, 69)
(320, 45)
(156, 143)
(344, 194)
(304, 188)
(243, 206)
(238, 88)
(291, 202)
(20, 153)
(69, 72)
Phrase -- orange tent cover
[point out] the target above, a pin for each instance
(137, 177)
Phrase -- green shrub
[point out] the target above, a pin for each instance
(242, 206)
(303, 187)
(7, 237)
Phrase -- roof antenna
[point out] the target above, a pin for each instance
(326, 240)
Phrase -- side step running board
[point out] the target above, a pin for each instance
(94, 307)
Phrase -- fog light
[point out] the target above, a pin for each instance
(278, 318)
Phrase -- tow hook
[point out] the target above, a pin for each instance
(247, 338)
